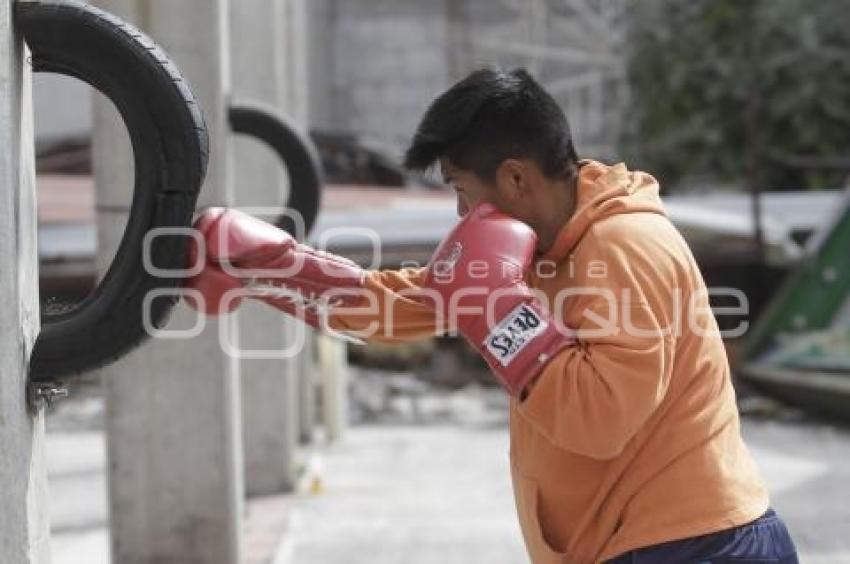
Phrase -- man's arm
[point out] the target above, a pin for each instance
(393, 309)
(592, 398)
(243, 257)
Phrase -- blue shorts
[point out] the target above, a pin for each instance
(763, 541)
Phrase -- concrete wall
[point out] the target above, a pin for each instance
(62, 106)
(24, 527)
(378, 63)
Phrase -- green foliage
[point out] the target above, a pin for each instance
(740, 91)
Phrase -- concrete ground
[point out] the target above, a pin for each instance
(431, 485)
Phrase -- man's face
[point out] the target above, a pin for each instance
(520, 190)
(470, 189)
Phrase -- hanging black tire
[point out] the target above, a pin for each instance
(170, 150)
(296, 151)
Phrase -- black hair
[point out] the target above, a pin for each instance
(493, 115)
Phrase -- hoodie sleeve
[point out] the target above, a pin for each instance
(393, 309)
(593, 397)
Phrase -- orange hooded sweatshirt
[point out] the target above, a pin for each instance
(631, 437)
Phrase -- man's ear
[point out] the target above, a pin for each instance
(512, 178)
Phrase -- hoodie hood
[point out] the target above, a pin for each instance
(603, 191)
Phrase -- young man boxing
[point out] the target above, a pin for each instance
(570, 280)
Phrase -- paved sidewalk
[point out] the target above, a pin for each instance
(412, 495)
(442, 495)
(437, 491)
(807, 467)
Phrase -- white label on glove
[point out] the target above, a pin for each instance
(513, 333)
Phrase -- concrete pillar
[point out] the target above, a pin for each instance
(262, 70)
(269, 402)
(172, 406)
(320, 76)
(307, 390)
(24, 525)
(298, 91)
(299, 96)
(333, 367)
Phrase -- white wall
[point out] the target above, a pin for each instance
(62, 107)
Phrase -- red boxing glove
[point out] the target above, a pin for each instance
(478, 272)
(242, 251)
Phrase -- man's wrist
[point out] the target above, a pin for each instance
(524, 371)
